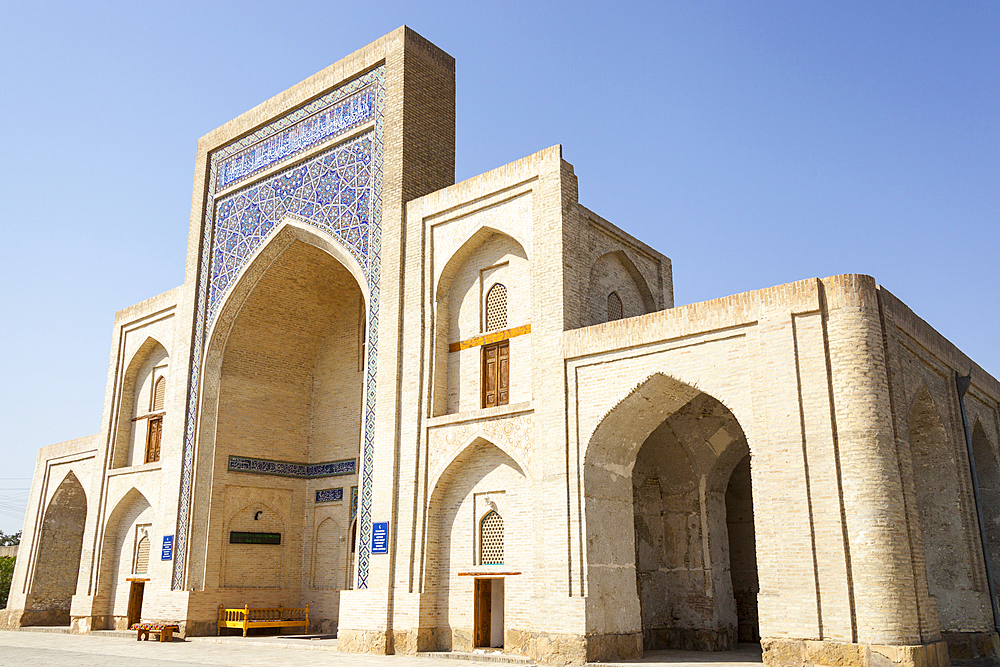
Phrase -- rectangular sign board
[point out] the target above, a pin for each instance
(168, 548)
(380, 537)
(236, 537)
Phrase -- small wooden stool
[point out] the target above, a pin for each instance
(166, 632)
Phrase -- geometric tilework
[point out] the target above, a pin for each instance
(354, 503)
(329, 495)
(338, 191)
(329, 122)
(287, 469)
(330, 191)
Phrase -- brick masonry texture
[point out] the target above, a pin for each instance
(788, 464)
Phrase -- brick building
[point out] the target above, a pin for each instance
(455, 415)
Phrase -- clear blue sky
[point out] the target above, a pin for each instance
(755, 143)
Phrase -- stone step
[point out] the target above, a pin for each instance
(479, 656)
(129, 634)
(55, 629)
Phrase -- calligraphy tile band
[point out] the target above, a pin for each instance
(329, 495)
(289, 469)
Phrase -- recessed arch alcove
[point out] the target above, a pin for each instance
(488, 262)
(671, 552)
(283, 382)
(941, 513)
(483, 478)
(60, 543)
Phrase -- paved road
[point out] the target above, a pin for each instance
(37, 649)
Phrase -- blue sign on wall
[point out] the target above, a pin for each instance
(168, 548)
(380, 537)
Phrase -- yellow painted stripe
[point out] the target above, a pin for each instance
(492, 337)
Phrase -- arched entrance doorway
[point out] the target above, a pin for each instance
(673, 463)
(285, 376)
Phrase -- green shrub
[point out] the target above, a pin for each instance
(6, 574)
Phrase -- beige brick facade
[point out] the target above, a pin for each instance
(788, 465)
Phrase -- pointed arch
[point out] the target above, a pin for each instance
(327, 564)
(615, 309)
(481, 478)
(491, 538)
(243, 566)
(334, 290)
(988, 479)
(656, 470)
(496, 307)
(463, 450)
(253, 505)
(57, 565)
(603, 284)
(646, 405)
(126, 433)
(256, 265)
(475, 240)
(149, 344)
(117, 549)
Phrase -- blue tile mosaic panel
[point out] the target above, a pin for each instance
(310, 131)
(332, 468)
(338, 191)
(289, 469)
(354, 503)
(332, 191)
(329, 495)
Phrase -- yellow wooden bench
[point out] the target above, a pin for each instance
(246, 618)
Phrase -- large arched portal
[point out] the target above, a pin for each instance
(58, 564)
(672, 464)
(289, 360)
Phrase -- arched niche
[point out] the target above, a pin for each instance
(488, 259)
(57, 565)
(615, 272)
(940, 510)
(988, 476)
(327, 560)
(254, 565)
(481, 479)
(135, 408)
(671, 555)
(128, 522)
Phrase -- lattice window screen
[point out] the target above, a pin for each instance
(159, 391)
(142, 556)
(496, 308)
(491, 539)
(615, 310)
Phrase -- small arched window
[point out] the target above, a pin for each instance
(615, 310)
(491, 539)
(496, 308)
(142, 556)
(159, 393)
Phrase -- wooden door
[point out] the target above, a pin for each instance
(496, 374)
(153, 439)
(503, 373)
(135, 602)
(483, 604)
